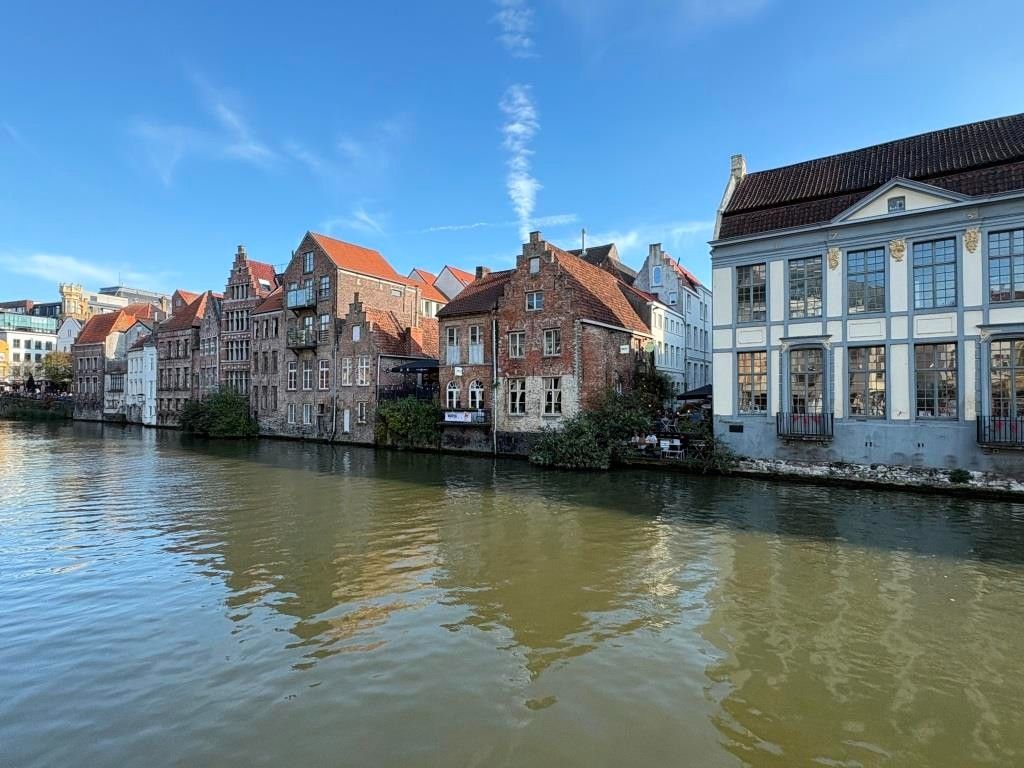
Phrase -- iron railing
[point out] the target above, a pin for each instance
(1001, 431)
(805, 426)
(402, 391)
(300, 338)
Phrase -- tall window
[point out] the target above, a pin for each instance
(806, 381)
(1006, 265)
(360, 413)
(517, 344)
(656, 275)
(534, 265)
(307, 262)
(452, 395)
(291, 413)
(451, 346)
(752, 381)
(935, 273)
(324, 377)
(307, 414)
(552, 342)
(363, 372)
(867, 382)
(293, 377)
(805, 287)
(1008, 378)
(476, 395)
(476, 344)
(517, 396)
(307, 374)
(346, 371)
(325, 288)
(935, 366)
(535, 301)
(552, 396)
(865, 280)
(751, 293)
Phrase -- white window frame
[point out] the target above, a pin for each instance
(324, 374)
(536, 298)
(552, 342)
(293, 377)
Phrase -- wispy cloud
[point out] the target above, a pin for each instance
(48, 266)
(633, 241)
(541, 221)
(516, 20)
(166, 144)
(521, 125)
(360, 220)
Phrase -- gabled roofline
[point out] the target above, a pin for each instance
(900, 181)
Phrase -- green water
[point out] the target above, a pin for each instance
(165, 604)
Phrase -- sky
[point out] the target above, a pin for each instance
(141, 143)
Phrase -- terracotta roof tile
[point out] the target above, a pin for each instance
(99, 327)
(262, 271)
(479, 296)
(188, 317)
(461, 275)
(355, 258)
(423, 276)
(187, 296)
(980, 158)
(598, 294)
(273, 303)
(430, 293)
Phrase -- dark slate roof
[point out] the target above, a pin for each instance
(478, 297)
(981, 158)
(605, 256)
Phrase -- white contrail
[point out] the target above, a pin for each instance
(520, 126)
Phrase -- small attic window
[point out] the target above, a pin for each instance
(897, 204)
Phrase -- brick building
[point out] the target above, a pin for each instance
(103, 340)
(267, 329)
(558, 332)
(466, 373)
(371, 344)
(209, 347)
(249, 283)
(320, 283)
(178, 359)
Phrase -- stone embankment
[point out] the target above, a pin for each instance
(957, 482)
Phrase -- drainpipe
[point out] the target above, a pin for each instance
(334, 394)
(494, 380)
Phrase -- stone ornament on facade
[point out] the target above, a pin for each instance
(833, 258)
(971, 239)
(897, 249)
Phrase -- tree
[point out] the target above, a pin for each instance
(57, 369)
(224, 414)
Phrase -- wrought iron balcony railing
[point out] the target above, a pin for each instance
(805, 426)
(1001, 431)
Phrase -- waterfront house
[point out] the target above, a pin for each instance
(869, 306)
(67, 333)
(177, 340)
(467, 357)
(267, 325)
(684, 353)
(210, 347)
(248, 284)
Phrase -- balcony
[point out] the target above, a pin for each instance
(817, 427)
(302, 338)
(1001, 431)
(299, 298)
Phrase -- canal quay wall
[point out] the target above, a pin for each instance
(35, 409)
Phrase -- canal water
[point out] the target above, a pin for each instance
(167, 603)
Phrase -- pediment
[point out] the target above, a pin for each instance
(917, 196)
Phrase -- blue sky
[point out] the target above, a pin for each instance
(148, 143)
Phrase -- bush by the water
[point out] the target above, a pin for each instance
(223, 414)
(408, 423)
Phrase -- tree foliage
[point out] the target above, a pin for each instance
(57, 369)
(224, 414)
(408, 423)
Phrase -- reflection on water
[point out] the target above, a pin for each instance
(280, 603)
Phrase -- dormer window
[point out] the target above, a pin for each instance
(897, 204)
(656, 276)
(534, 265)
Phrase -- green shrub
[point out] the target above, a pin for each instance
(959, 476)
(224, 414)
(578, 444)
(408, 423)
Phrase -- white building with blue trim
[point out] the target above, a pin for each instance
(869, 306)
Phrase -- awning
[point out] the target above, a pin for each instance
(700, 393)
(416, 366)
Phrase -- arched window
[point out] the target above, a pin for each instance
(656, 276)
(476, 395)
(451, 398)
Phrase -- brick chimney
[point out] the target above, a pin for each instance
(356, 307)
(240, 254)
(482, 272)
(535, 237)
(738, 167)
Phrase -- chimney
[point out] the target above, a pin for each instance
(738, 167)
(240, 253)
(482, 272)
(356, 306)
(535, 237)
(583, 243)
(654, 252)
